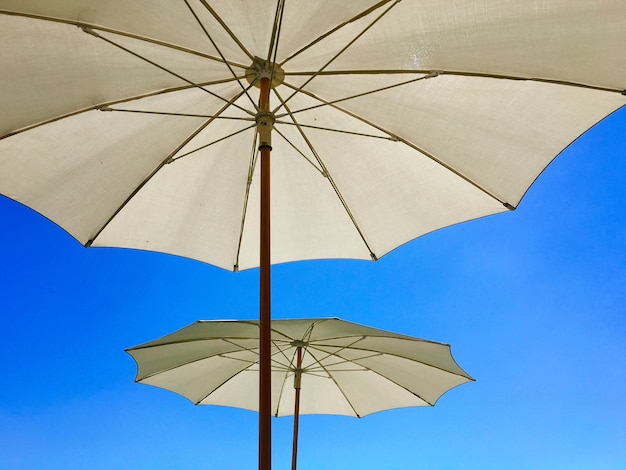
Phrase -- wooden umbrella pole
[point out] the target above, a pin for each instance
(265, 385)
(297, 382)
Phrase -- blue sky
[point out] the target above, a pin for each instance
(533, 303)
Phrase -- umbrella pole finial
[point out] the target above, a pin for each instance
(265, 378)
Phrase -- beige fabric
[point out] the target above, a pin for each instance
(449, 134)
(348, 369)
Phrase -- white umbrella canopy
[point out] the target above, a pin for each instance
(319, 366)
(128, 125)
(347, 369)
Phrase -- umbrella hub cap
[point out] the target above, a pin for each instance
(262, 68)
(298, 343)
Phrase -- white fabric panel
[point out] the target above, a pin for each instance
(560, 40)
(242, 391)
(429, 382)
(308, 220)
(76, 173)
(426, 352)
(319, 395)
(499, 134)
(305, 21)
(140, 17)
(54, 69)
(192, 207)
(157, 359)
(369, 392)
(198, 379)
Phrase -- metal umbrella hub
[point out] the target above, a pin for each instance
(263, 71)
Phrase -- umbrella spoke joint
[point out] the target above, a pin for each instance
(265, 122)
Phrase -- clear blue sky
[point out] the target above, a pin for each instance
(533, 303)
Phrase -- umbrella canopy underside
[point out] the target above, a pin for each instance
(133, 125)
(347, 369)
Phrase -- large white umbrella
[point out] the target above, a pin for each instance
(319, 366)
(138, 124)
(123, 121)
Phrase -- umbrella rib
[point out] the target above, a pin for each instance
(283, 386)
(413, 146)
(165, 69)
(282, 350)
(220, 53)
(335, 29)
(164, 113)
(331, 354)
(227, 29)
(358, 95)
(251, 364)
(327, 175)
(92, 26)
(298, 150)
(341, 51)
(308, 335)
(188, 362)
(164, 162)
(277, 365)
(305, 338)
(459, 73)
(106, 105)
(338, 131)
(320, 346)
(342, 359)
(244, 212)
(222, 384)
(276, 29)
(380, 353)
(338, 386)
(380, 374)
(286, 374)
(278, 19)
(232, 134)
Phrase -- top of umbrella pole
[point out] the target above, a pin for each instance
(264, 75)
(261, 68)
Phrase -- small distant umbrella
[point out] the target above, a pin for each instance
(343, 368)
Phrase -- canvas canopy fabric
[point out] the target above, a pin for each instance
(347, 369)
(127, 123)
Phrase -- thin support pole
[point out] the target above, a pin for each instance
(265, 384)
(297, 383)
